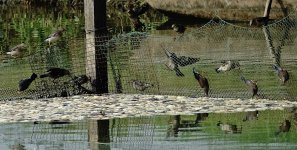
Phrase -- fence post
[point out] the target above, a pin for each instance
(96, 53)
(267, 8)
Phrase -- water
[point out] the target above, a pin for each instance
(201, 131)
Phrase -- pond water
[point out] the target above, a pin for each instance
(266, 130)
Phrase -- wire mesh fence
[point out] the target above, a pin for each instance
(163, 64)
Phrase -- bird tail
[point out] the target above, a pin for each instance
(8, 53)
(44, 75)
(178, 72)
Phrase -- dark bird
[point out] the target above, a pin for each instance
(55, 36)
(228, 128)
(282, 73)
(17, 51)
(252, 85)
(55, 73)
(259, 21)
(284, 127)
(140, 85)
(184, 60)
(25, 83)
(251, 115)
(172, 63)
(203, 82)
(227, 66)
(178, 28)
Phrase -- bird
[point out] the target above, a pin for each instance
(25, 83)
(140, 85)
(55, 36)
(228, 128)
(17, 51)
(282, 73)
(227, 66)
(284, 127)
(55, 73)
(252, 85)
(178, 28)
(203, 82)
(184, 60)
(251, 115)
(259, 21)
(172, 63)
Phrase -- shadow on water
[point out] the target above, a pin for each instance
(244, 130)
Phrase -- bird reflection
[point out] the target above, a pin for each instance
(282, 73)
(251, 115)
(229, 128)
(284, 127)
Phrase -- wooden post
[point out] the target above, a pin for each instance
(267, 8)
(98, 131)
(96, 36)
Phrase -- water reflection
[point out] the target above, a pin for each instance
(263, 129)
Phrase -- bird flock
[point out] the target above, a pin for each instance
(174, 62)
(53, 73)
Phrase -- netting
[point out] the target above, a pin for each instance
(162, 64)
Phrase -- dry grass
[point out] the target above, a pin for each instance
(227, 9)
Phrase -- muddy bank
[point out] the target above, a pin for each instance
(226, 9)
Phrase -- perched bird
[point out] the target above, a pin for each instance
(284, 127)
(203, 82)
(172, 63)
(17, 51)
(282, 73)
(140, 85)
(178, 28)
(228, 128)
(259, 21)
(251, 115)
(252, 85)
(55, 73)
(227, 66)
(55, 36)
(25, 83)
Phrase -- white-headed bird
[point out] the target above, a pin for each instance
(55, 36)
(17, 51)
(203, 82)
(228, 65)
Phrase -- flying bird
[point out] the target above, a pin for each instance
(227, 66)
(172, 63)
(55, 73)
(140, 85)
(17, 51)
(25, 83)
(55, 36)
(252, 85)
(203, 82)
(284, 127)
(282, 73)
